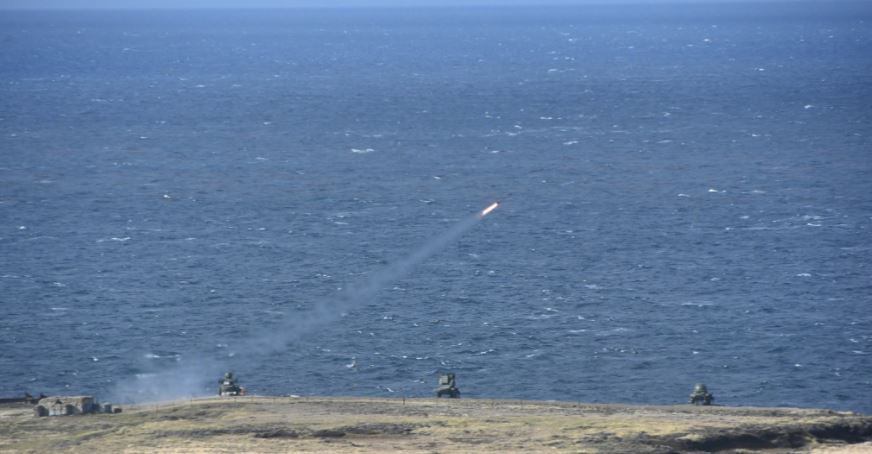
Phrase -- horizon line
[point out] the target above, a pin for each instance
(29, 6)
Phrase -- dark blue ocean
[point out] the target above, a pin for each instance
(686, 196)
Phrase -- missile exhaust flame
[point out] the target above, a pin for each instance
(487, 210)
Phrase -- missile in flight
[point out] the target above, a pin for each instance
(487, 210)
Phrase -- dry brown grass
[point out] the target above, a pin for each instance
(267, 424)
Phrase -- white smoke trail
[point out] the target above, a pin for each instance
(353, 296)
(193, 377)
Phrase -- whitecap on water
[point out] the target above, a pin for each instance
(362, 150)
(698, 304)
(174, 356)
(114, 238)
(539, 317)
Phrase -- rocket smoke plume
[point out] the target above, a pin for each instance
(192, 377)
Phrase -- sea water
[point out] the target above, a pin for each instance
(686, 196)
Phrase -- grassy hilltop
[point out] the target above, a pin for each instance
(284, 424)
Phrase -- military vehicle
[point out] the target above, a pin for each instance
(227, 386)
(700, 395)
(447, 386)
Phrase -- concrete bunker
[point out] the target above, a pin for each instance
(71, 405)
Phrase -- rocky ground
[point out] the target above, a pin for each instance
(288, 424)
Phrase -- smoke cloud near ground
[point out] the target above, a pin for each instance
(188, 378)
(193, 377)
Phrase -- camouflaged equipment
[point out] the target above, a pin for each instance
(228, 386)
(447, 386)
(700, 395)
